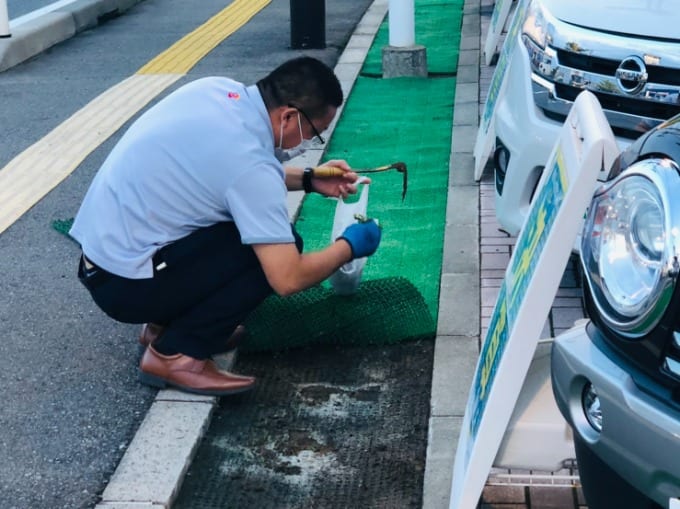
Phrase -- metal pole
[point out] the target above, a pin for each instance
(402, 23)
(4, 20)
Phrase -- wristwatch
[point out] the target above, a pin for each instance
(307, 175)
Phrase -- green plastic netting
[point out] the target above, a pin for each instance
(373, 132)
(319, 315)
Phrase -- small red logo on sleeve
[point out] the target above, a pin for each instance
(233, 95)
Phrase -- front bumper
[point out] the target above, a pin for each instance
(528, 136)
(640, 438)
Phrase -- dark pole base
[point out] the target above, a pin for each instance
(307, 24)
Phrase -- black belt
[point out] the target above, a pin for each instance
(171, 255)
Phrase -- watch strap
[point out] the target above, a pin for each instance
(307, 175)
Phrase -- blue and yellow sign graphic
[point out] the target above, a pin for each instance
(493, 348)
(534, 235)
(518, 277)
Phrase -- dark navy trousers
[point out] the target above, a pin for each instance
(204, 285)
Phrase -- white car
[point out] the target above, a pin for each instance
(627, 52)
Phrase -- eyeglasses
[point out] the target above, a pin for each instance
(317, 134)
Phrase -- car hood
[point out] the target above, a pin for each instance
(648, 18)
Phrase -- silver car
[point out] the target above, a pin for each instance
(616, 379)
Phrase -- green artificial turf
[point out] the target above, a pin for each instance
(437, 27)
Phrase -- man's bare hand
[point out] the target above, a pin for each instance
(338, 187)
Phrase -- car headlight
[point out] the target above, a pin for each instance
(535, 24)
(631, 245)
(537, 31)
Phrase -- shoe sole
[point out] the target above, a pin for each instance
(161, 383)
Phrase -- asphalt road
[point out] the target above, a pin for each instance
(71, 401)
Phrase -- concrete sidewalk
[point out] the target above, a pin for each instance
(32, 37)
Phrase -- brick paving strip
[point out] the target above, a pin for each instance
(458, 340)
(515, 489)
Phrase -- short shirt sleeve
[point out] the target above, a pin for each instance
(257, 202)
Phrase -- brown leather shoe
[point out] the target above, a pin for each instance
(151, 331)
(190, 375)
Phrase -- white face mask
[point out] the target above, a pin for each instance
(284, 155)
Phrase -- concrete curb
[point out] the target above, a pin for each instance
(150, 473)
(34, 36)
(153, 467)
(458, 328)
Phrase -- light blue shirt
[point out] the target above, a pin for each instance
(202, 155)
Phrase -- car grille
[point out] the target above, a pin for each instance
(657, 74)
(636, 80)
(623, 104)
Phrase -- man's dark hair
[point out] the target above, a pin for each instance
(304, 82)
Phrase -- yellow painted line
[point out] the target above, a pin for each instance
(185, 53)
(28, 177)
(40, 168)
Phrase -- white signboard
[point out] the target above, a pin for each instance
(674, 503)
(4, 19)
(486, 133)
(532, 277)
(498, 18)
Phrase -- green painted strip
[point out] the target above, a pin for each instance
(437, 27)
(402, 119)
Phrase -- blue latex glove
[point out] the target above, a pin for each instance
(362, 237)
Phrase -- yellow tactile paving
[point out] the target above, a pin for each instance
(185, 53)
(40, 168)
